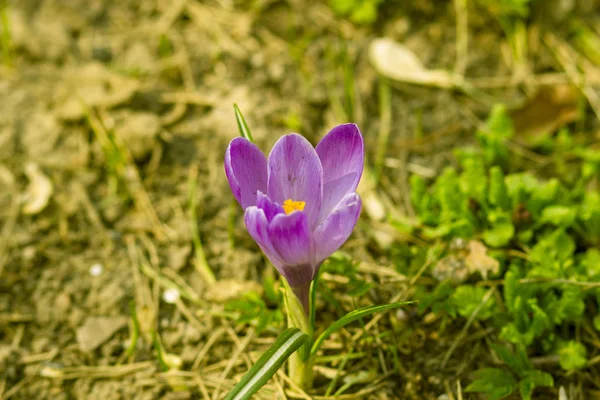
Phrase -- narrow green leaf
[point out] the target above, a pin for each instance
(286, 344)
(241, 123)
(314, 286)
(350, 317)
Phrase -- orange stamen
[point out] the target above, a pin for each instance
(290, 206)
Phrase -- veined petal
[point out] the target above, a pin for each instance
(270, 208)
(342, 155)
(257, 225)
(246, 170)
(337, 226)
(295, 173)
(292, 239)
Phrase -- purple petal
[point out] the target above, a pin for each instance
(246, 170)
(337, 227)
(295, 173)
(270, 208)
(293, 241)
(257, 225)
(342, 155)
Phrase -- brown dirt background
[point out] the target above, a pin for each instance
(121, 104)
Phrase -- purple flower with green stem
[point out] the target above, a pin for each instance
(300, 203)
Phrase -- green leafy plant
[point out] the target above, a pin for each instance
(542, 231)
(251, 308)
(498, 383)
(359, 11)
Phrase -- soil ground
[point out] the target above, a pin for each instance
(114, 119)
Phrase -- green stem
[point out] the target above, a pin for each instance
(300, 365)
(300, 371)
(302, 293)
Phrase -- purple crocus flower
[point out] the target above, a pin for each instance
(300, 204)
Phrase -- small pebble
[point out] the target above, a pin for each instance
(171, 296)
(96, 270)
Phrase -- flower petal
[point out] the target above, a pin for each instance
(337, 227)
(246, 170)
(295, 173)
(257, 225)
(293, 241)
(342, 155)
(270, 208)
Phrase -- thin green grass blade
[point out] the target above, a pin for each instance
(350, 317)
(241, 123)
(286, 344)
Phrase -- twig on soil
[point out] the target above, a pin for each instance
(127, 172)
(92, 214)
(216, 335)
(234, 358)
(385, 116)
(566, 56)
(167, 283)
(97, 372)
(14, 318)
(173, 10)
(201, 264)
(144, 304)
(188, 98)
(18, 386)
(7, 230)
(295, 391)
(36, 358)
(189, 316)
(184, 62)
(547, 79)
(462, 36)
(202, 387)
(5, 35)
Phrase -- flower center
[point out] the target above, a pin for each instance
(290, 206)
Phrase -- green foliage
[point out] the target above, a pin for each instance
(468, 298)
(493, 137)
(573, 355)
(532, 380)
(553, 222)
(359, 11)
(508, 8)
(501, 229)
(494, 382)
(498, 383)
(436, 300)
(252, 309)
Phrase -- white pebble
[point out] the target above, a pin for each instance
(171, 296)
(96, 270)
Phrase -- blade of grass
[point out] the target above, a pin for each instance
(313, 299)
(135, 330)
(201, 264)
(5, 38)
(351, 317)
(159, 351)
(268, 364)
(241, 123)
(385, 115)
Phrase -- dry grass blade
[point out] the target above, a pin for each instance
(104, 372)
